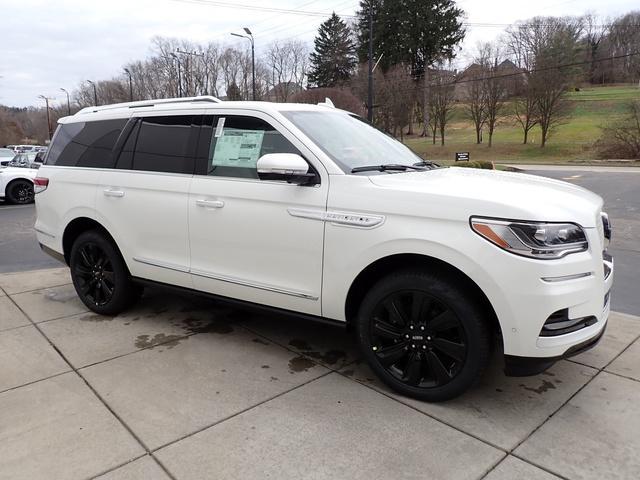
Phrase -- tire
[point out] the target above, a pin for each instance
(99, 274)
(20, 192)
(423, 335)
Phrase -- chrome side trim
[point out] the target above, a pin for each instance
(563, 278)
(352, 219)
(225, 278)
(157, 263)
(39, 230)
(245, 283)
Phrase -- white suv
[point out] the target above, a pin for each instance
(310, 210)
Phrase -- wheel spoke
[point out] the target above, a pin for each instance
(439, 371)
(87, 286)
(109, 276)
(96, 292)
(391, 354)
(106, 291)
(452, 349)
(443, 321)
(386, 330)
(413, 370)
(82, 271)
(395, 314)
(420, 304)
(85, 258)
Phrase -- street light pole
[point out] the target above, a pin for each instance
(249, 36)
(179, 77)
(370, 86)
(128, 72)
(46, 100)
(68, 101)
(95, 92)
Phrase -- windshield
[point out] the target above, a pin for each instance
(5, 152)
(350, 142)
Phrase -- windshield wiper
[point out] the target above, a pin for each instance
(386, 167)
(426, 163)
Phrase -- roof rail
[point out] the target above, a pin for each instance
(150, 103)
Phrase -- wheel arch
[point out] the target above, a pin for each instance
(77, 226)
(14, 180)
(403, 261)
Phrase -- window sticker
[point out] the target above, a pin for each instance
(238, 148)
(219, 127)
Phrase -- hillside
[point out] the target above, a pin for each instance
(572, 142)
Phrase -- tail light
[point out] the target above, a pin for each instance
(40, 184)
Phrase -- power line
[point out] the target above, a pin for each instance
(240, 6)
(533, 70)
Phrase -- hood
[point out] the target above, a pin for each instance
(465, 192)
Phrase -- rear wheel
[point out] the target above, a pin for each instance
(100, 275)
(423, 336)
(20, 192)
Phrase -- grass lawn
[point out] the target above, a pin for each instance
(571, 143)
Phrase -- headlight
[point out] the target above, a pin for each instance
(532, 239)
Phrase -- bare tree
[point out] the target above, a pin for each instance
(474, 99)
(525, 109)
(622, 139)
(493, 86)
(287, 62)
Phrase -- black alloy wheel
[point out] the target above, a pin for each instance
(418, 339)
(424, 334)
(99, 274)
(95, 274)
(20, 192)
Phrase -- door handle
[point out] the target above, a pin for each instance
(210, 203)
(113, 193)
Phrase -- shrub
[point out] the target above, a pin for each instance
(622, 138)
(483, 164)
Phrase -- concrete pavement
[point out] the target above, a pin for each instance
(181, 387)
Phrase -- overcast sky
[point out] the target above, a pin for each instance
(48, 44)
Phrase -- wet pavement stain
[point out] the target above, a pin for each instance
(330, 357)
(96, 318)
(260, 341)
(274, 379)
(265, 366)
(194, 325)
(348, 373)
(300, 364)
(300, 344)
(61, 297)
(168, 341)
(546, 385)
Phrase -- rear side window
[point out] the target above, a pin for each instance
(164, 144)
(85, 144)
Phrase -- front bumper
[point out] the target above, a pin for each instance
(527, 366)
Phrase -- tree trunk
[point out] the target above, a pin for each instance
(425, 99)
(526, 136)
(441, 135)
(411, 114)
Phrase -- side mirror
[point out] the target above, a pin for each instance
(289, 167)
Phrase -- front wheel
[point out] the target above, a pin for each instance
(99, 274)
(423, 336)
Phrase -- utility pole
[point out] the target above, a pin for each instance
(193, 54)
(95, 93)
(46, 100)
(179, 77)
(128, 72)
(370, 86)
(249, 36)
(68, 101)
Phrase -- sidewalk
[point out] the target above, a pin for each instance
(180, 387)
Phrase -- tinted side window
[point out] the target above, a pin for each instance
(235, 143)
(85, 144)
(125, 160)
(163, 145)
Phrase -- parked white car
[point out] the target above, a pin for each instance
(16, 184)
(310, 211)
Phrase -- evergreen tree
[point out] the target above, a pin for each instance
(334, 57)
(413, 32)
